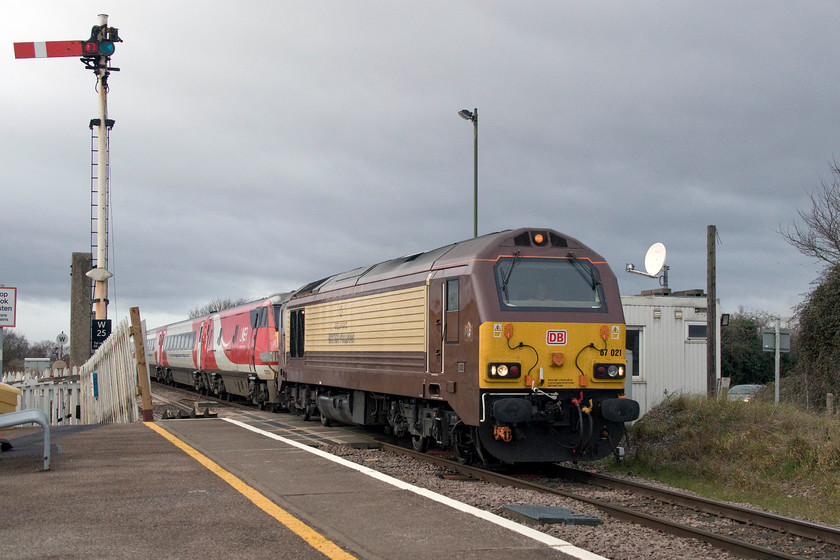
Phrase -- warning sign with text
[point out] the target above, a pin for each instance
(8, 299)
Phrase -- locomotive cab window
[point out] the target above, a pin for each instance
(296, 333)
(452, 305)
(548, 284)
(259, 317)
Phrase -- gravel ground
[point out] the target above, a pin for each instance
(613, 539)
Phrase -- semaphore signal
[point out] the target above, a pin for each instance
(48, 49)
(95, 53)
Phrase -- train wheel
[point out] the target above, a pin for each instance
(463, 445)
(420, 444)
(325, 421)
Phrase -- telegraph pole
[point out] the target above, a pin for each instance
(711, 312)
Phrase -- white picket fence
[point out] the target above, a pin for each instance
(55, 393)
(103, 389)
(109, 381)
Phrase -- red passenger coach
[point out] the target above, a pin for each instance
(231, 352)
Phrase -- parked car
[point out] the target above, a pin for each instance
(744, 393)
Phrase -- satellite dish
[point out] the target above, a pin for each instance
(655, 259)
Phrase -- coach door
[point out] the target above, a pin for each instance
(160, 357)
(199, 347)
(207, 348)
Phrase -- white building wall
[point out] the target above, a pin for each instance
(670, 360)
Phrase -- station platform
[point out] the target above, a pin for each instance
(242, 487)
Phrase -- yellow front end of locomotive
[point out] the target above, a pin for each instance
(552, 356)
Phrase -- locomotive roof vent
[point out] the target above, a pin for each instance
(539, 239)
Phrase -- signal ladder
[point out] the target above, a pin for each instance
(94, 192)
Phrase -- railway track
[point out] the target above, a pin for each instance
(175, 402)
(759, 534)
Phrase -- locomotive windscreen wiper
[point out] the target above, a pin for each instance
(507, 274)
(587, 272)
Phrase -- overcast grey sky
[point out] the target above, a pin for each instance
(262, 145)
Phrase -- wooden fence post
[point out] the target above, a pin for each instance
(142, 374)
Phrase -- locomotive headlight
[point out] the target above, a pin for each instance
(503, 371)
(609, 371)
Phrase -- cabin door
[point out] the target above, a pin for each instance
(435, 351)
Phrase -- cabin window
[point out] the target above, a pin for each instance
(278, 317)
(696, 331)
(296, 333)
(526, 283)
(259, 318)
(452, 306)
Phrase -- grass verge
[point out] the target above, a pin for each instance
(779, 458)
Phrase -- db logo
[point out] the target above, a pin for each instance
(555, 338)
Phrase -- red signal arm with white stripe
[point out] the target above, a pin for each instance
(48, 49)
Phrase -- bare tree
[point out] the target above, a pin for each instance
(215, 306)
(818, 235)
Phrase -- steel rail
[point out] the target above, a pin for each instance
(743, 514)
(741, 548)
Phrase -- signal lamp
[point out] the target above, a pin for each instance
(540, 239)
(503, 371)
(609, 371)
(106, 48)
(98, 44)
(98, 48)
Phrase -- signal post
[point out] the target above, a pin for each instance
(95, 54)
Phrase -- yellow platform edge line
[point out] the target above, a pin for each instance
(304, 531)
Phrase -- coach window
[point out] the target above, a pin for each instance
(452, 305)
(296, 333)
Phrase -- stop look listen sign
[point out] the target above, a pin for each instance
(8, 299)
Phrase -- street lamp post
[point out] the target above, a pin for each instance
(473, 116)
